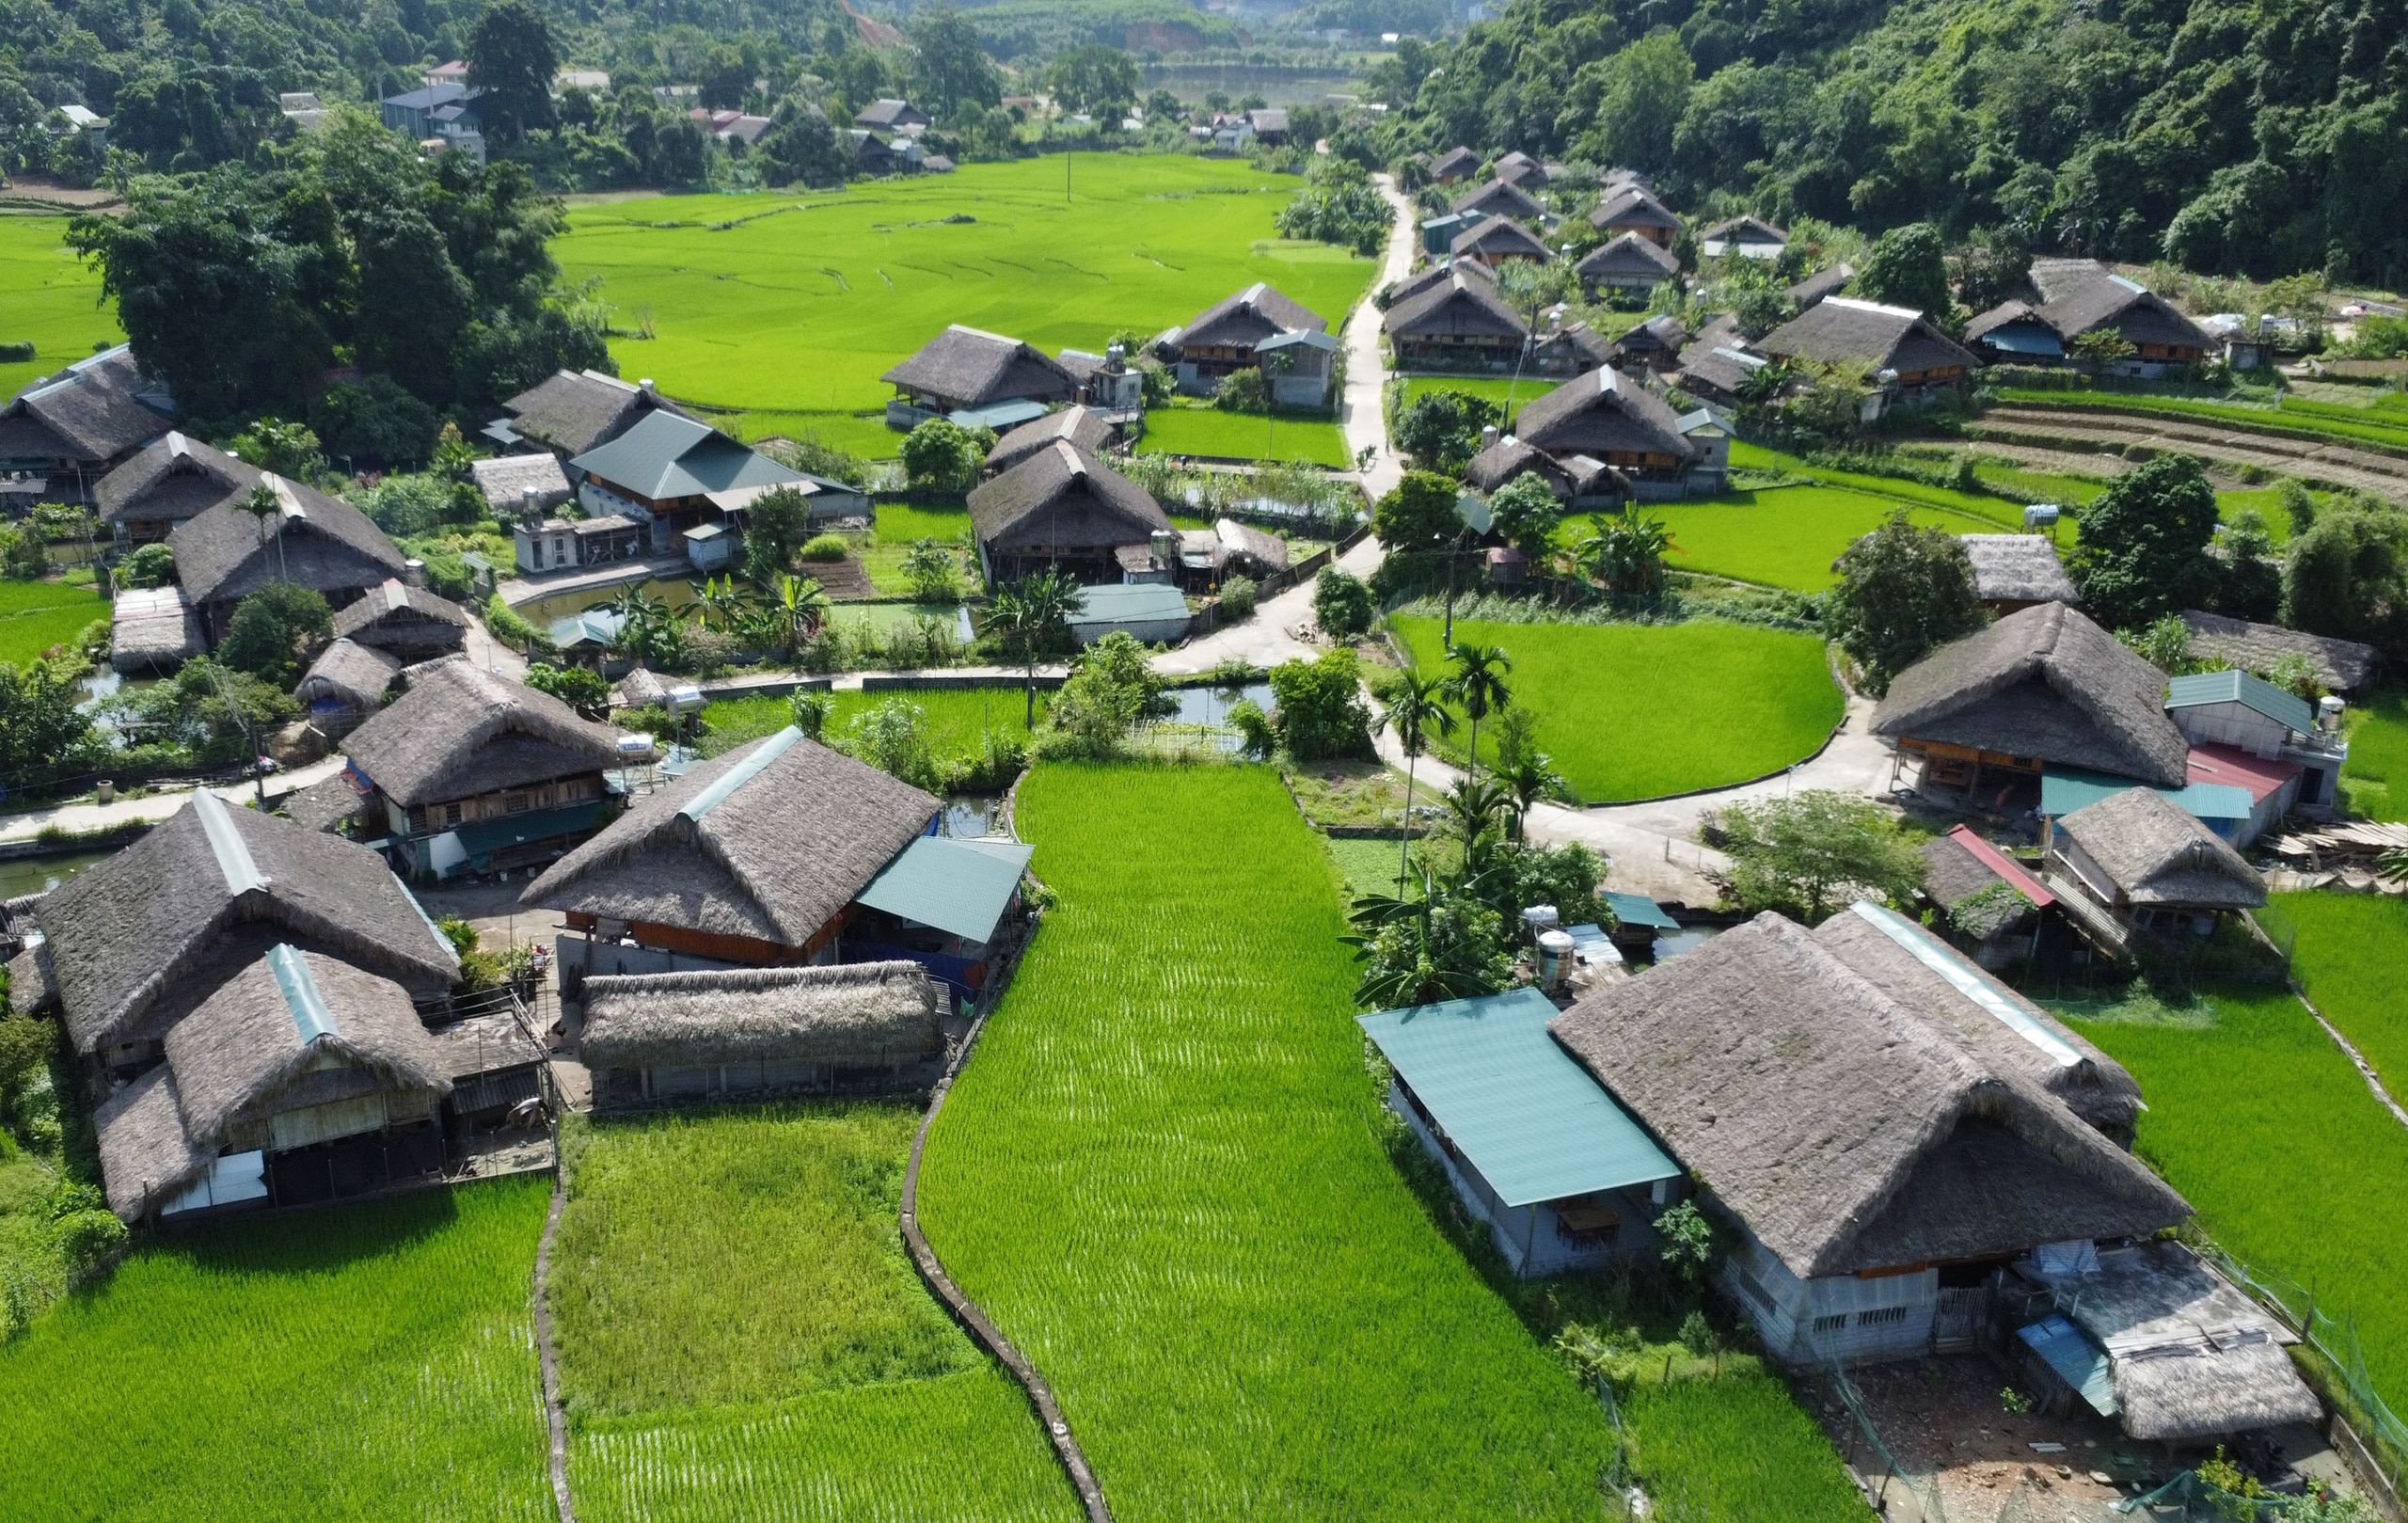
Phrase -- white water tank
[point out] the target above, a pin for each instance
(1555, 959)
(2328, 713)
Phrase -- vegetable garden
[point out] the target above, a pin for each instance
(325, 1365)
(1638, 711)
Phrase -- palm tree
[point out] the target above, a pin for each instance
(264, 507)
(1478, 685)
(1418, 710)
(1625, 555)
(1030, 613)
(1530, 781)
(1476, 807)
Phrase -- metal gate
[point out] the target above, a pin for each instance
(1957, 1326)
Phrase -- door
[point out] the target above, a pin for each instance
(1957, 1326)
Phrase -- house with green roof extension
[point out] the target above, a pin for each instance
(1534, 1146)
(675, 476)
(2247, 714)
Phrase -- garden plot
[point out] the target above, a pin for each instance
(322, 1365)
(796, 304)
(1640, 711)
(740, 1329)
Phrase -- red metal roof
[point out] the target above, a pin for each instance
(2003, 865)
(2234, 768)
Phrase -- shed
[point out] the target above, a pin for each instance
(409, 623)
(345, 684)
(1153, 612)
(1969, 878)
(506, 481)
(154, 629)
(2152, 863)
(941, 903)
(649, 1038)
(1253, 551)
(1637, 919)
(2344, 665)
(2013, 572)
(1531, 1144)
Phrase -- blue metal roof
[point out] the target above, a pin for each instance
(1129, 603)
(2251, 693)
(2021, 338)
(2078, 1362)
(1529, 1118)
(310, 1017)
(1639, 909)
(2063, 790)
(595, 626)
(999, 415)
(961, 887)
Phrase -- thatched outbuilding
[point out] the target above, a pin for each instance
(410, 623)
(752, 858)
(345, 684)
(1883, 1122)
(1989, 897)
(1062, 509)
(225, 554)
(474, 773)
(2045, 687)
(2342, 665)
(1500, 198)
(167, 483)
(666, 1035)
(2152, 863)
(2013, 572)
(1083, 428)
(152, 631)
(569, 412)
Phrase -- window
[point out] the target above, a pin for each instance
(450, 813)
(514, 803)
(1832, 1323)
(1884, 1317)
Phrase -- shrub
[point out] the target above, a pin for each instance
(87, 1238)
(775, 526)
(580, 688)
(1239, 596)
(826, 547)
(503, 623)
(269, 628)
(1112, 690)
(1440, 429)
(1321, 711)
(1342, 604)
(289, 450)
(17, 354)
(1903, 592)
(809, 709)
(153, 566)
(1242, 392)
(1801, 855)
(942, 456)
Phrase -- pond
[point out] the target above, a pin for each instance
(1207, 710)
(1671, 943)
(969, 816)
(40, 875)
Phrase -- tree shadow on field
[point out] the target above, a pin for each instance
(315, 1238)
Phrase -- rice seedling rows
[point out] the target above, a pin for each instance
(36, 615)
(362, 1361)
(2378, 753)
(1789, 537)
(1736, 1446)
(1638, 711)
(2263, 1124)
(50, 297)
(800, 305)
(2350, 954)
(2386, 433)
(1229, 435)
(957, 718)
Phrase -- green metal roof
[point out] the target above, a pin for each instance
(1529, 1118)
(1130, 603)
(2252, 692)
(667, 456)
(961, 887)
(2063, 790)
(1639, 909)
(487, 836)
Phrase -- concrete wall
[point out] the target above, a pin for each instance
(1811, 1321)
(1532, 1237)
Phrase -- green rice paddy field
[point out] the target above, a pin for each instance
(35, 616)
(1788, 536)
(361, 1361)
(1161, 1176)
(1229, 435)
(2378, 753)
(785, 307)
(2352, 957)
(957, 718)
(1504, 390)
(49, 297)
(742, 1334)
(2266, 1128)
(1638, 711)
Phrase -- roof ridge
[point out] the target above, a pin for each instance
(233, 854)
(302, 998)
(727, 783)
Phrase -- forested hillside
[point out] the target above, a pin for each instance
(2259, 136)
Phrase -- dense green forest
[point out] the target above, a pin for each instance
(2258, 136)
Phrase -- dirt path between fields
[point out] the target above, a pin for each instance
(2065, 432)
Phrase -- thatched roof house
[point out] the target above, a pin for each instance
(1824, 283)
(1629, 263)
(1455, 164)
(1083, 428)
(409, 623)
(312, 540)
(1870, 339)
(1971, 880)
(569, 412)
(2012, 572)
(1747, 236)
(649, 1037)
(1574, 478)
(2042, 686)
(1061, 507)
(465, 755)
(2344, 665)
(1717, 364)
(1634, 208)
(1456, 316)
(168, 482)
(966, 368)
(1230, 328)
(345, 684)
(2142, 855)
(133, 940)
(78, 424)
(751, 856)
(1252, 551)
(1866, 1105)
(1496, 239)
(1500, 198)
(295, 1048)
(2081, 295)
(1520, 168)
(1605, 415)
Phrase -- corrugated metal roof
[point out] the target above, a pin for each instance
(2251, 693)
(1529, 1118)
(2078, 1362)
(487, 836)
(1129, 603)
(1639, 909)
(2003, 865)
(2063, 790)
(961, 887)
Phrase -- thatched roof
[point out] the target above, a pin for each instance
(1510, 458)
(505, 481)
(1460, 305)
(1266, 550)
(1435, 275)
(2081, 295)
(1742, 233)
(95, 410)
(2341, 664)
(966, 366)
(770, 841)
(1633, 206)
(1602, 413)
(1856, 1108)
(1824, 283)
(1499, 237)
(461, 730)
(324, 804)
(1717, 359)
(154, 629)
(644, 685)
(2156, 852)
(861, 1012)
(289, 1030)
(2045, 683)
(2192, 1357)
(1953, 875)
(401, 610)
(1082, 427)
(1663, 332)
(1454, 164)
(127, 937)
(1521, 170)
(171, 479)
(1629, 259)
(2017, 568)
(1246, 318)
(1062, 498)
(349, 672)
(1500, 198)
(573, 411)
(1866, 336)
(314, 541)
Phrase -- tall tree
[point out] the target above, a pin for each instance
(511, 63)
(1903, 592)
(1478, 685)
(1030, 616)
(1906, 269)
(2144, 549)
(952, 70)
(1416, 709)
(1098, 80)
